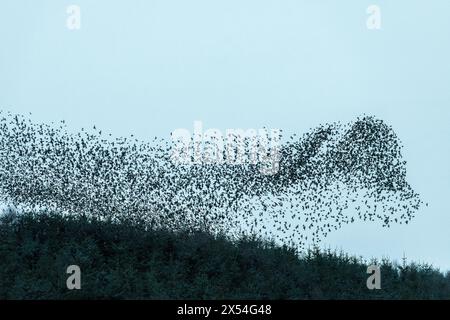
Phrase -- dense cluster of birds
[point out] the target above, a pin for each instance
(332, 175)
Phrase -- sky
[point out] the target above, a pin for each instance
(147, 67)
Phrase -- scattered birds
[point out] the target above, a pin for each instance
(330, 176)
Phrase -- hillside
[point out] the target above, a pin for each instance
(122, 261)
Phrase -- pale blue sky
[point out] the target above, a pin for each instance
(147, 67)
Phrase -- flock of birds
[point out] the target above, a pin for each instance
(333, 175)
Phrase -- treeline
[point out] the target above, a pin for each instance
(125, 261)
